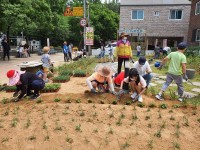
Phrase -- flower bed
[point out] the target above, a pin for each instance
(79, 73)
(10, 88)
(61, 79)
(51, 87)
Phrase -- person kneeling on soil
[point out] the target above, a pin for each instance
(136, 82)
(101, 79)
(25, 82)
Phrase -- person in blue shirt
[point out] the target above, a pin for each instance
(65, 51)
(40, 73)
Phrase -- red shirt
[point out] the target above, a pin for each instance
(119, 78)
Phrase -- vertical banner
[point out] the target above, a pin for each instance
(89, 36)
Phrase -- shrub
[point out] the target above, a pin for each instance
(61, 78)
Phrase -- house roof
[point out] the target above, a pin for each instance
(154, 2)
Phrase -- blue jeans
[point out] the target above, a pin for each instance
(147, 78)
(36, 85)
(138, 54)
(102, 54)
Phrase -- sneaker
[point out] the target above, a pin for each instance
(35, 96)
(159, 97)
(30, 94)
(140, 99)
(180, 99)
(134, 95)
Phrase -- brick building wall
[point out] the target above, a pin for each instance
(194, 24)
(157, 26)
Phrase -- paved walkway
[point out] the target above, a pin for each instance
(14, 62)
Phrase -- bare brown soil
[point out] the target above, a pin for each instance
(67, 124)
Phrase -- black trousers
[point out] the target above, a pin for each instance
(6, 53)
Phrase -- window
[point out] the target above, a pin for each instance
(138, 15)
(156, 13)
(175, 14)
(197, 10)
(198, 35)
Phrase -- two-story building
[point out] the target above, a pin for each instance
(155, 22)
(194, 27)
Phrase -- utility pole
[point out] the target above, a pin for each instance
(84, 34)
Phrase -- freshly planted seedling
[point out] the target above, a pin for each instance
(89, 101)
(198, 120)
(44, 126)
(78, 128)
(141, 105)
(170, 111)
(78, 101)
(114, 102)
(125, 145)
(6, 112)
(163, 106)
(95, 130)
(172, 118)
(163, 125)
(110, 131)
(150, 144)
(122, 116)
(148, 109)
(128, 102)
(111, 115)
(176, 106)
(176, 145)
(152, 105)
(158, 133)
(94, 114)
(149, 125)
(28, 122)
(119, 121)
(39, 100)
(57, 100)
(185, 120)
(5, 140)
(134, 117)
(69, 140)
(147, 117)
(4, 100)
(82, 113)
(14, 122)
(32, 138)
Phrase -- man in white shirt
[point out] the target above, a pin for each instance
(143, 69)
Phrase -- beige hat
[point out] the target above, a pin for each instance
(104, 70)
(123, 34)
(45, 49)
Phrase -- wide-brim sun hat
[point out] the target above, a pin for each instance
(123, 34)
(46, 49)
(14, 77)
(104, 70)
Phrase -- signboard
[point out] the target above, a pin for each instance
(128, 31)
(89, 36)
(83, 22)
(76, 11)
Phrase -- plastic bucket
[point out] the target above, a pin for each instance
(190, 73)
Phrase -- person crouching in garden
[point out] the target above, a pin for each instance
(25, 82)
(137, 84)
(46, 62)
(101, 79)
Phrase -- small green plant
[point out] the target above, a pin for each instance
(141, 105)
(69, 140)
(134, 117)
(32, 138)
(111, 115)
(170, 111)
(5, 140)
(185, 120)
(57, 100)
(39, 100)
(149, 125)
(78, 128)
(4, 100)
(163, 106)
(94, 114)
(172, 118)
(176, 145)
(172, 95)
(198, 120)
(152, 91)
(150, 144)
(95, 130)
(89, 101)
(194, 112)
(44, 126)
(147, 117)
(159, 115)
(125, 145)
(163, 125)
(176, 106)
(78, 100)
(28, 122)
(122, 116)
(82, 113)
(102, 102)
(14, 122)
(6, 112)
(119, 121)
(158, 133)
(152, 105)
(148, 109)
(114, 102)
(128, 102)
(110, 131)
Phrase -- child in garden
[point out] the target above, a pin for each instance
(137, 84)
(111, 55)
(101, 79)
(46, 62)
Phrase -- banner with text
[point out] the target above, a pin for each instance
(89, 36)
(75, 11)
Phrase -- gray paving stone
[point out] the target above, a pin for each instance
(160, 81)
(189, 95)
(162, 77)
(196, 90)
(152, 84)
(172, 84)
(195, 83)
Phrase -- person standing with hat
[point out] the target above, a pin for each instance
(101, 79)
(25, 82)
(143, 69)
(176, 71)
(123, 52)
(46, 60)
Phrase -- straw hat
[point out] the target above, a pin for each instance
(123, 34)
(46, 49)
(104, 70)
